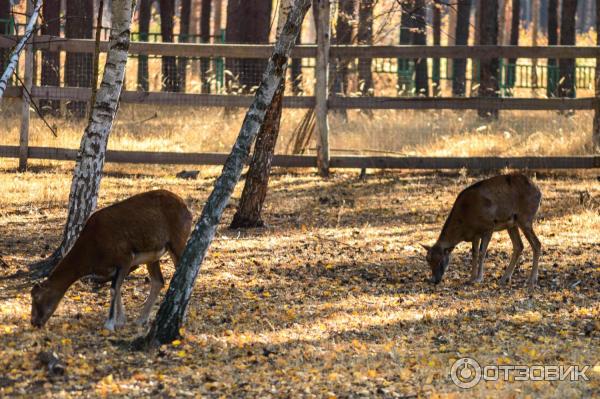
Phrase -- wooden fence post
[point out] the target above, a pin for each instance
(28, 82)
(322, 85)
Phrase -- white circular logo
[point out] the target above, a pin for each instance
(465, 373)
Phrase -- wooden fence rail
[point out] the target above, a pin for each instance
(304, 161)
(322, 51)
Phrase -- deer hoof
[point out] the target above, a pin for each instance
(110, 325)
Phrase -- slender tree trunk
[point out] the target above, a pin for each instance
(420, 38)
(365, 36)
(205, 38)
(172, 311)
(184, 37)
(144, 28)
(170, 81)
(249, 213)
(239, 30)
(344, 35)
(296, 70)
(405, 79)
(50, 59)
(566, 83)
(463, 16)
(514, 41)
(92, 151)
(4, 30)
(535, 18)
(552, 76)
(488, 31)
(78, 66)
(596, 126)
(437, 41)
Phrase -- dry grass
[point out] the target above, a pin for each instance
(330, 300)
(447, 133)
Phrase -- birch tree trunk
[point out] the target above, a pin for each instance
(257, 178)
(92, 150)
(13, 60)
(171, 314)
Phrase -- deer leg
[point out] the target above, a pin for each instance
(517, 244)
(536, 246)
(485, 240)
(156, 283)
(116, 314)
(474, 258)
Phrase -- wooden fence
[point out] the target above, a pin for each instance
(322, 101)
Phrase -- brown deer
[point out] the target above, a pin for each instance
(507, 202)
(113, 242)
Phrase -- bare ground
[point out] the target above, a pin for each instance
(330, 300)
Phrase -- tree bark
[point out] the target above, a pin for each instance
(78, 66)
(239, 30)
(50, 59)
(343, 35)
(144, 28)
(420, 38)
(296, 70)
(488, 31)
(596, 126)
(566, 82)
(92, 151)
(249, 213)
(437, 36)
(184, 35)
(170, 80)
(365, 36)
(552, 75)
(205, 38)
(463, 15)
(4, 30)
(514, 41)
(13, 59)
(172, 311)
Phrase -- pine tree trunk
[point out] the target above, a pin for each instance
(365, 36)
(172, 311)
(596, 127)
(463, 16)
(205, 38)
(4, 30)
(257, 179)
(296, 71)
(144, 28)
(514, 41)
(170, 81)
(420, 38)
(78, 66)
(437, 36)
(92, 151)
(405, 83)
(184, 32)
(239, 12)
(566, 82)
(488, 31)
(50, 59)
(552, 75)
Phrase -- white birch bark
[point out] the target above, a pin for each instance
(171, 314)
(92, 151)
(14, 56)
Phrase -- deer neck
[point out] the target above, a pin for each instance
(65, 274)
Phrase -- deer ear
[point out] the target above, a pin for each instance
(427, 247)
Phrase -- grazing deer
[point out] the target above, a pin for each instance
(507, 202)
(113, 242)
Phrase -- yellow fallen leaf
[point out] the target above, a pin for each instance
(176, 343)
(372, 373)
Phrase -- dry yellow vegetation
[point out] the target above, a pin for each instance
(330, 300)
